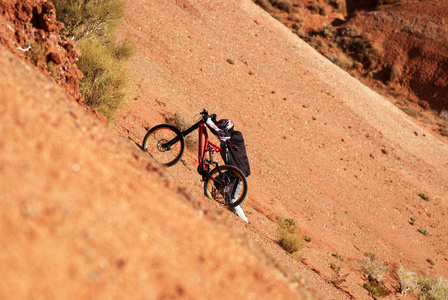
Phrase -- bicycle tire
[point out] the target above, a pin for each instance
(222, 193)
(159, 135)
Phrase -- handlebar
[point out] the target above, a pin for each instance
(205, 115)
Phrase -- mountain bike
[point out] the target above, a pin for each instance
(225, 184)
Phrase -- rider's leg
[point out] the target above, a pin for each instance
(237, 210)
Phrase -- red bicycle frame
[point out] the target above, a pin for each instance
(205, 146)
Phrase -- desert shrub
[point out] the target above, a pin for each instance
(284, 5)
(288, 238)
(86, 17)
(92, 24)
(106, 82)
(384, 4)
(407, 281)
(299, 24)
(349, 31)
(423, 231)
(360, 46)
(265, 4)
(36, 53)
(328, 31)
(345, 62)
(372, 268)
(376, 289)
(314, 8)
(411, 112)
(443, 131)
(177, 121)
(337, 266)
(431, 288)
(424, 196)
(444, 115)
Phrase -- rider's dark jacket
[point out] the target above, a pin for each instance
(231, 156)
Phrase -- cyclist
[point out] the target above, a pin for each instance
(234, 152)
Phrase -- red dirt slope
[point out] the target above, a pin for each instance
(85, 216)
(326, 150)
(88, 215)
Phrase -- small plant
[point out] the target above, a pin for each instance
(412, 220)
(421, 287)
(307, 238)
(431, 262)
(328, 31)
(345, 62)
(230, 61)
(106, 82)
(177, 121)
(384, 151)
(424, 196)
(432, 288)
(265, 4)
(339, 5)
(443, 131)
(338, 277)
(423, 231)
(411, 112)
(37, 53)
(288, 238)
(444, 115)
(286, 6)
(376, 289)
(372, 268)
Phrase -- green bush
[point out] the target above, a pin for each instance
(106, 81)
(92, 24)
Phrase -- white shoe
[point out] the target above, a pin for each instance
(237, 210)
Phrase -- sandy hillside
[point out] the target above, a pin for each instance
(88, 215)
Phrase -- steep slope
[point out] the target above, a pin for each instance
(85, 216)
(326, 150)
(88, 215)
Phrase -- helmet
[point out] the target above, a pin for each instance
(225, 125)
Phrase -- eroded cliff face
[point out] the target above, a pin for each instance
(29, 29)
(410, 36)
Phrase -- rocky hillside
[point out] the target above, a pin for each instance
(88, 215)
(397, 47)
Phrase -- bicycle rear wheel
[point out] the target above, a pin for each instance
(226, 185)
(165, 143)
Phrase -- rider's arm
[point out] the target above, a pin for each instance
(221, 135)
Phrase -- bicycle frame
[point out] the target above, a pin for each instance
(204, 146)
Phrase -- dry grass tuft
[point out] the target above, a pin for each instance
(288, 237)
(434, 288)
(372, 268)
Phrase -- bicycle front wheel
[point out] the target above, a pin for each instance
(165, 143)
(226, 185)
